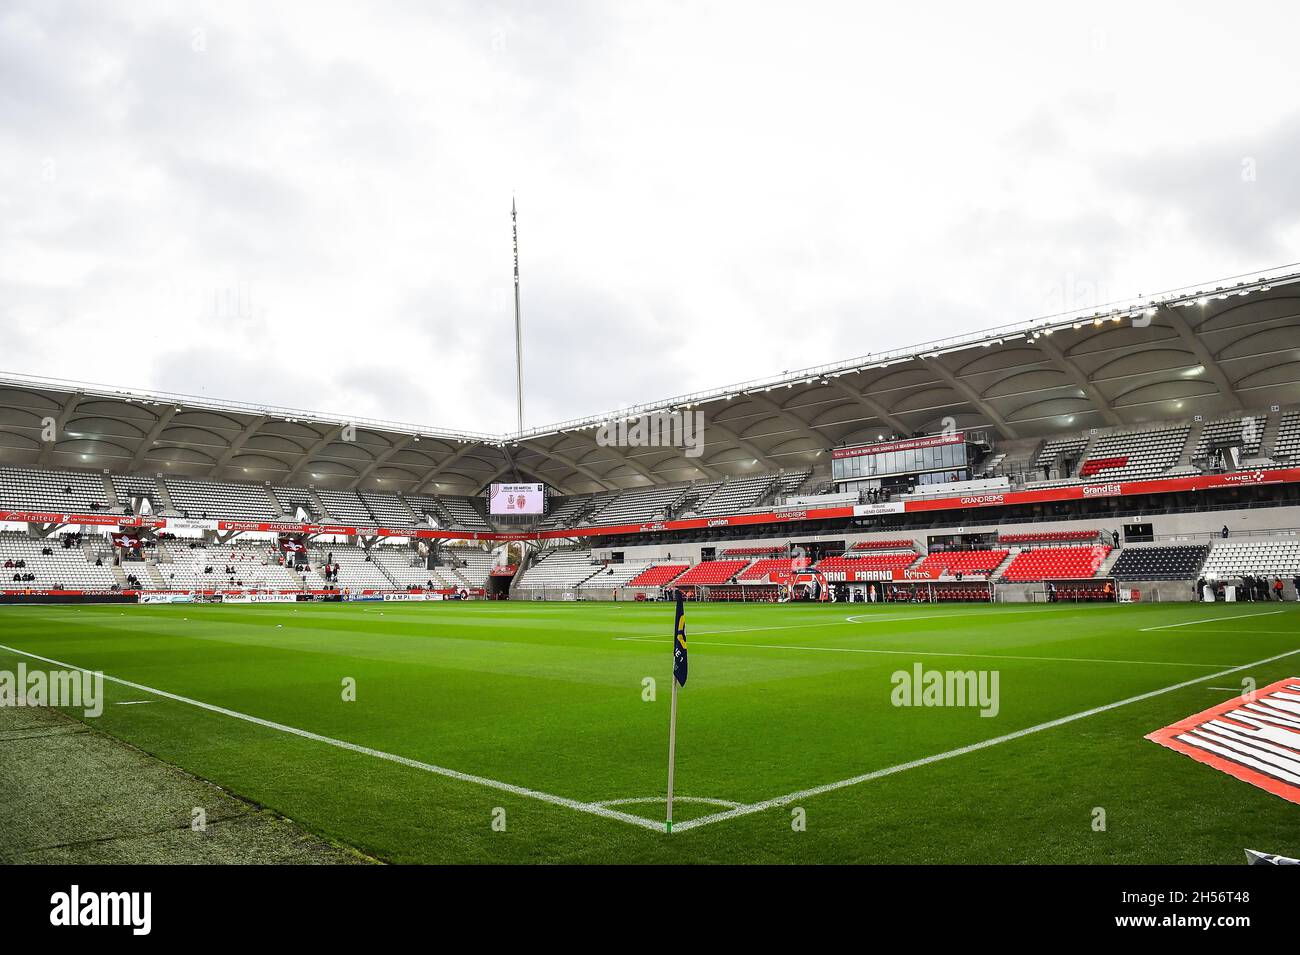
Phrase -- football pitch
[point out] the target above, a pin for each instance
(537, 732)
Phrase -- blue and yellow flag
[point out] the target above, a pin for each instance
(679, 642)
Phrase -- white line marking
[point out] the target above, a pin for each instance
(1188, 623)
(634, 800)
(134, 702)
(926, 653)
(961, 751)
(591, 808)
(869, 618)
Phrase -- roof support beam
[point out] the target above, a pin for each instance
(326, 439)
(790, 419)
(622, 456)
(237, 445)
(874, 407)
(443, 465)
(1203, 355)
(973, 396)
(744, 443)
(150, 439)
(381, 459)
(1075, 374)
(626, 458)
(60, 422)
(573, 465)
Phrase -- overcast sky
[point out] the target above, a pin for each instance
(308, 204)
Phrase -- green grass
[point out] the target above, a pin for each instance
(780, 699)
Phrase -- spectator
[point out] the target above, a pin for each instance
(1224, 533)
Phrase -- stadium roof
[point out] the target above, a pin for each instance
(1224, 346)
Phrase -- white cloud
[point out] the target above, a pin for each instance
(308, 203)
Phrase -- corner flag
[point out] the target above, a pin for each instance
(679, 642)
(679, 679)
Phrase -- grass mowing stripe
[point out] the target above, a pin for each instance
(591, 808)
(928, 653)
(961, 751)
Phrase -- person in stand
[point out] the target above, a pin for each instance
(1224, 533)
(1114, 537)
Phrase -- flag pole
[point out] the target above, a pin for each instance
(672, 754)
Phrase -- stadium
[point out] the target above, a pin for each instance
(427, 645)
(582, 446)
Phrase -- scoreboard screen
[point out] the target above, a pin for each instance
(517, 499)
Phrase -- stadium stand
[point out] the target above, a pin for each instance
(846, 562)
(1160, 563)
(966, 594)
(1133, 455)
(126, 487)
(790, 481)
(1275, 557)
(24, 489)
(470, 564)
(66, 566)
(291, 499)
(657, 575)
(1287, 443)
(696, 496)
(344, 507)
(463, 512)
(1248, 430)
(952, 562)
(737, 494)
(1056, 563)
(216, 499)
(426, 507)
(641, 504)
(758, 571)
(389, 510)
(565, 510)
(709, 573)
(1055, 448)
(614, 575)
(404, 567)
(898, 543)
(559, 570)
(1049, 536)
(255, 566)
(356, 568)
(751, 594)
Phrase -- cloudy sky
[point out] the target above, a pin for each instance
(308, 204)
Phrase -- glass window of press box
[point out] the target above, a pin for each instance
(899, 462)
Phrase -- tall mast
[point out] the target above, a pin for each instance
(519, 330)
